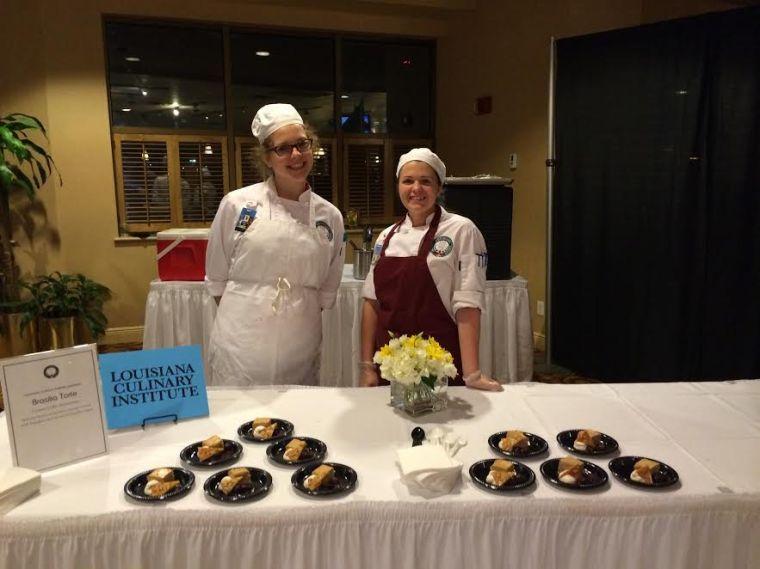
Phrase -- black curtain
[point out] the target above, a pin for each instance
(656, 235)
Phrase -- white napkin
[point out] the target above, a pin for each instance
(430, 468)
(16, 485)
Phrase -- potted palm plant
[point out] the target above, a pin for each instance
(58, 300)
(24, 166)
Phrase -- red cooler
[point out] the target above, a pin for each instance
(181, 254)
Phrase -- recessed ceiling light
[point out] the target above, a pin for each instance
(262, 53)
(144, 93)
(132, 59)
(344, 96)
(125, 110)
(175, 112)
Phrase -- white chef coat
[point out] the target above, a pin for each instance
(222, 236)
(268, 328)
(457, 261)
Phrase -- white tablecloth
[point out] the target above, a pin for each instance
(182, 313)
(710, 433)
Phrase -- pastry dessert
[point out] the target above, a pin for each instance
(643, 470)
(321, 475)
(501, 472)
(514, 440)
(160, 481)
(156, 488)
(211, 446)
(263, 428)
(162, 475)
(586, 439)
(293, 450)
(570, 470)
(236, 478)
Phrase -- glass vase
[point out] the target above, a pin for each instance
(420, 398)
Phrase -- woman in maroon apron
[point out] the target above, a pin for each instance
(403, 293)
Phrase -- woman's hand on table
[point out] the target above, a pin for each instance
(368, 375)
(476, 380)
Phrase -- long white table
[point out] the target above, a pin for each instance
(182, 313)
(708, 432)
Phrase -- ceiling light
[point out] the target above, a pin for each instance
(132, 59)
(344, 96)
(175, 112)
(174, 105)
(262, 53)
(125, 110)
(144, 93)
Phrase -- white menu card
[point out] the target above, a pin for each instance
(53, 407)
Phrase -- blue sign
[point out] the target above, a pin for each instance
(153, 385)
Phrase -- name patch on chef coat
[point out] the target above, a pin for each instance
(442, 246)
(325, 230)
(247, 215)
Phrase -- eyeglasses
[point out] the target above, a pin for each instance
(303, 145)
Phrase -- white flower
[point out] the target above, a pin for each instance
(408, 359)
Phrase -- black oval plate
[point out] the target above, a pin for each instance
(284, 429)
(523, 478)
(135, 486)
(315, 450)
(536, 445)
(593, 476)
(566, 439)
(343, 482)
(231, 452)
(622, 466)
(261, 483)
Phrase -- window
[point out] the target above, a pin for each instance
(181, 131)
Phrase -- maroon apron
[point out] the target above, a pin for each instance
(408, 300)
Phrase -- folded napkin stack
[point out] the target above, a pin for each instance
(16, 485)
(430, 468)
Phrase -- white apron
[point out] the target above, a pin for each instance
(268, 328)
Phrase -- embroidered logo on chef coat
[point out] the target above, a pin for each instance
(442, 246)
(325, 230)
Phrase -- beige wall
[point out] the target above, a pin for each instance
(501, 48)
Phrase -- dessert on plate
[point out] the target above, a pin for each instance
(514, 440)
(160, 481)
(643, 470)
(321, 475)
(210, 447)
(236, 478)
(587, 439)
(263, 428)
(570, 470)
(293, 450)
(501, 472)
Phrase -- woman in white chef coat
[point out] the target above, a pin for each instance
(428, 275)
(275, 257)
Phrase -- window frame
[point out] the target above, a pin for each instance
(230, 141)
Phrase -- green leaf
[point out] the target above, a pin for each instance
(13, 144)
(23, 181)
(28, 120)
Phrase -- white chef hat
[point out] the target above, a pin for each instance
(270, 118)
(423, 155)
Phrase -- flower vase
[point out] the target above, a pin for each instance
(420, 398)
